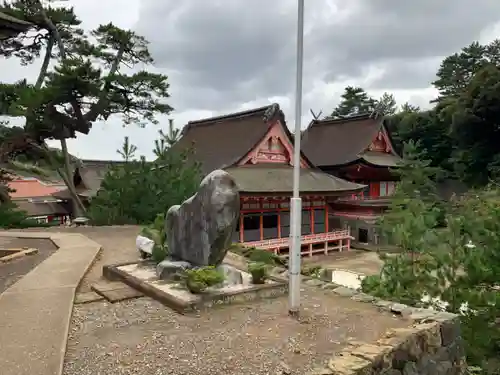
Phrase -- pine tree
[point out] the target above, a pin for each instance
(457, 268)
(128, 150)
(354, 101)
(10, 215)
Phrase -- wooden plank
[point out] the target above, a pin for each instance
(115, 291)
(87, 297)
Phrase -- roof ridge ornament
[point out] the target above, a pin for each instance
(271, 112)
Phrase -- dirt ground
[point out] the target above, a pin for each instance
(359, 261)
(143, 337)
(12, 271)
(118, 244)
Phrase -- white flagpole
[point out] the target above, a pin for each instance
(296, 201)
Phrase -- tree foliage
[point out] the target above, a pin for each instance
(137, 191)
(454, 268)
(356, 101)
(460, 133)
(412, 210)
(128, 150)
(10, 215)
(84, 77)
(457, 71)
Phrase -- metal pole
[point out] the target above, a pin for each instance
(296, 201)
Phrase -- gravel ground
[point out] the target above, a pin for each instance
(12, 271)
(143, 337)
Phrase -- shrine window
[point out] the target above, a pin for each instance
(319, 221)
(306, 222)
(270, 225)
(387, 188)
(285, 224)
(251, 227)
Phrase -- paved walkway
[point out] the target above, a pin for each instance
(35, 313)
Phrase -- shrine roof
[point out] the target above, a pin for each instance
(335, 142)
(220, 142)
(276, 178)
(91, 173)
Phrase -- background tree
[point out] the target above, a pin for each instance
(429, 130)
(453, 276)
(10, 215)
(475, 129)
(173, 134)
(456, 71)
(87, 83)
(354, 101)
(128, 150)
(409, 108)
(138, 191)
(386, 105)
(416, 194)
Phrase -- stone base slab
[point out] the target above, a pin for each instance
(142, 276)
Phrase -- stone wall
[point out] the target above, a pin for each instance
(430, 345)
(431, 348)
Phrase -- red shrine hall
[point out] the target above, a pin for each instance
(358, 149)
(255, 147)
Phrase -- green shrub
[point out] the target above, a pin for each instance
(259, 272)
(314, 271)
(159, 253)
(258, 255)
(157, 233)
(12, 217)
(199, 279)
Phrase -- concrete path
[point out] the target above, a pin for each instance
(35, 313)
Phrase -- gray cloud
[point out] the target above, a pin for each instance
(220, 54)
(406, 74)
(241, 50)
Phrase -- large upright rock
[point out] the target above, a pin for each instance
(200, 230)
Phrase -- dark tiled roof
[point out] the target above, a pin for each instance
(334, 142)
(91, 172)
(381, 159)
(220, 142)
(272, 178)
(42, 208)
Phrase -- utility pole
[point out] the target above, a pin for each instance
(296, 201)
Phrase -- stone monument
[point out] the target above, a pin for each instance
(200, 230)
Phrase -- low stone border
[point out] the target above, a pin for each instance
(17, 253)
(39, 306)
(112, 272)
(431, 345)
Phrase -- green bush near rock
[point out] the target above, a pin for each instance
(312, 271)
(199, 279)
(259, 272)
(157, 233)
(258, 255)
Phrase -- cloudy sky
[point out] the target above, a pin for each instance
(226, 55)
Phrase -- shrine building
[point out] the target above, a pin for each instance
(256, 148)
(358, 149)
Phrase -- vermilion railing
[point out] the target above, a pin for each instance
(362, 197)
(309, 239)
